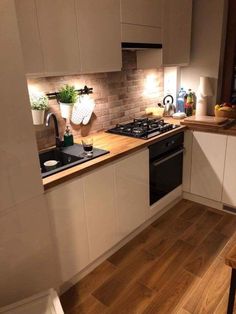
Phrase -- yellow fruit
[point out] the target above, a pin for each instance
(217, 107)
(225, 109)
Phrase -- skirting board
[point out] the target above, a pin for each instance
(64, 287)
(202, 200)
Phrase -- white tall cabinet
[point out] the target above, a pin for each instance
(229, 195)
(208, 156)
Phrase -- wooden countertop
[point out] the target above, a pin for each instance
(230, 258)
(228, 129)
(118, 146)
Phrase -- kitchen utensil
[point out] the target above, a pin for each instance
(168, 102)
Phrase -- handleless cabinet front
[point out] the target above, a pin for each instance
(57, 22)
(99, 34)
(208, 159)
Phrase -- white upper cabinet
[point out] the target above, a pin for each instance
(229, 195)
(30, 37)
(141, 21)
(57, 22)
(177, 20)
(132, 191)
(208, 157)
(142, 12)
(99, 35)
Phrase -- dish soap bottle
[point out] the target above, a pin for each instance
(68, 137)
(180, 100)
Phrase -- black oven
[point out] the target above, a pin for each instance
(165, 166)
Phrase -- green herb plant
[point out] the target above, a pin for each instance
(68, 95)
(39, 102)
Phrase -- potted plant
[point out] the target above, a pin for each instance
(39, 103)
(67, 97)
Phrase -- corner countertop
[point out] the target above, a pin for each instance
(227, 129)
(117, 145)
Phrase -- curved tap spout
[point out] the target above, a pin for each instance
(57, 136)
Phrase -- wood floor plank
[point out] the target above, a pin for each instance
(159, 244)
(210, 290)
(193, 212)
(175, 266)
(199, 231)
(123, 278)
(166, 219)
(205, 253)
(167, 299)
(163, 270)
(79, 292)
(90, 306)
(134, 301)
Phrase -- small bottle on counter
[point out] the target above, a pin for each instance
(68, 137)
(189, 103)
(180, 100)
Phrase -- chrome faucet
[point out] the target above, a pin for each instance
(59, 143)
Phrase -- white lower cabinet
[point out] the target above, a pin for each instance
(91, 213)
(132, 191)
(229, 195)
(187, 160)
(100, 210)
(208, 157)
(67, 213)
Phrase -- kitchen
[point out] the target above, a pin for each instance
(89, 231)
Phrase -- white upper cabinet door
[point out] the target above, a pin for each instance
(141, 21)
(132, 192)
(100, 210)
(29, 36)
(229, 184)
(99, 35)
(208, 158)
(59, 37)
(67, 214)
(142, 12)
(177, 21)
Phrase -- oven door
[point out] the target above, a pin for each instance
(165, 174)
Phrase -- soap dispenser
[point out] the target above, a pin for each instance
(68, 137)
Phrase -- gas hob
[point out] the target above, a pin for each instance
(144, 128)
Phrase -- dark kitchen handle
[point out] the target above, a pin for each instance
(156, 163)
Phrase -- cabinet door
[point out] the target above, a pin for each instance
(177, 19)
(100, 35)
(29, 35)
(100, 210)
(208, 157)
(229, 184)
(67, 213)
(142, 12)
(132, 192)
(187, 161)
(57, 22)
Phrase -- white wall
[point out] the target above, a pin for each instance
(27, 262)
(207, 26)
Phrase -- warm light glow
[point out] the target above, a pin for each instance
(34, 91)
(150, 86)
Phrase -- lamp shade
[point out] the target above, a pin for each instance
(205, 88)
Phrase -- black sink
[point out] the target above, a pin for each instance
(67, 157)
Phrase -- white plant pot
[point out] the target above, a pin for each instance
(66, 110)
(38, 116)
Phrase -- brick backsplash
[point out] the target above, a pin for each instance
(119, 97)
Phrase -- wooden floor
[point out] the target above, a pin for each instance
(174, 266)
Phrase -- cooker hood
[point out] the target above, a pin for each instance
(139, 46)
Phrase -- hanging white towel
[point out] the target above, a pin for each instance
(83, 110)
